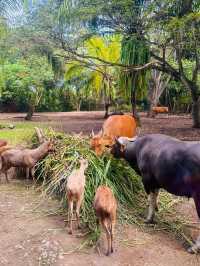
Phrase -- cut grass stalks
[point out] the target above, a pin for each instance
(52, 172)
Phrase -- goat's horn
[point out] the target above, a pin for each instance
(39, 134)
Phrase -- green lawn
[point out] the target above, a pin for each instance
(22, 132)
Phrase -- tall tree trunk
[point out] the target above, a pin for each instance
(195, 106)
(134, 107)
(107, 105)
(30, 113)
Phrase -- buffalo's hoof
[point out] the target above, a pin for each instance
(192, 250)
(149, 221)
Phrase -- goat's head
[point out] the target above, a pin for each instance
(119, 146)
(50, 144)
(99, 142)
(84, 163)
(3, 142)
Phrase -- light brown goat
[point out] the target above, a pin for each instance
(75, 191)
(105, 206)
(27, 158)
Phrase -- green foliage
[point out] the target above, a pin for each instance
(134, 52)
(24, 81)
(97, 81)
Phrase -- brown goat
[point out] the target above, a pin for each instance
(27, 158)
(75, 191)
(3, 142)
(105, 206)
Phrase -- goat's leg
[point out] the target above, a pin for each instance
(78, 206)
(196, 246)
(6, 176)
(112, 234)
(27, 173)
(33, 173)
(71, 215)
(152, 207)
(108, 236)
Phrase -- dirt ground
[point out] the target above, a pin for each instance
(37, 236)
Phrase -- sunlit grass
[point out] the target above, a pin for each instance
(22, 133)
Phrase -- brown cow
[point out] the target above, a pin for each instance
(114, 126)
(160, 109)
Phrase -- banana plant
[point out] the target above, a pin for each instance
(101, 79)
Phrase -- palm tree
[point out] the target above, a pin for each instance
(101, 79)
(8, 7)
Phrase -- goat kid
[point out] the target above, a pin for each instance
(105, 206)
(26, 158)
(75, 192)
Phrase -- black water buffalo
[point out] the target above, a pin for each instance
(164, 162)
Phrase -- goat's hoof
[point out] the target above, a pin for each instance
(156, 209)
(70, 232)
(107, 253)
(112, 250)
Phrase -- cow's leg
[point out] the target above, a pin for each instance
(152, 206)
(156, 203)
(150, 188)
(196, 246)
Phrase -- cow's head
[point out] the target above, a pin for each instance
(119, 146)
(99, 142)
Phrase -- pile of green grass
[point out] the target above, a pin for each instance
(125, 183)
(117, 174)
